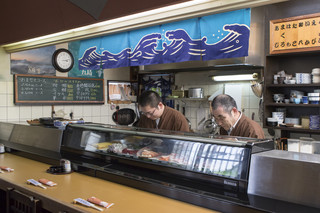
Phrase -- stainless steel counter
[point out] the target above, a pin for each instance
(287, 176)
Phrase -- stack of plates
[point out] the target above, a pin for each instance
(314, 97)
(315, 75)
(303, 78)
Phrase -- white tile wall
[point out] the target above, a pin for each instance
(9, 112)
(249, 102)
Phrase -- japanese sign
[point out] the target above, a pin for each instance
(295, 34)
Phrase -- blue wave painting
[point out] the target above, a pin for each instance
(212, 37)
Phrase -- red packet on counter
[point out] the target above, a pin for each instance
(47, 182)
(100, 202)
(6, 168)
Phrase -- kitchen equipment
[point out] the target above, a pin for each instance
(66, 164)
(290, 81)
(275, 79)
(305, 100)
(272, 122)
(315, 75)
(278, 98)
(314, 97)
(316, 147)
(180, 93)
(303, 78)
(195, 93)
(257, 88)
(2, 150)
(295, 121)
(210, 126)
(281, 80)
(305, 122)
(314, 122)
(124, 116)
(279, 116)
(184, 113)
(293, 145)
(306, 145)
(297, 100)
(48, 121)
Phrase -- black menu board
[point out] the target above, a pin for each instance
(54, 90)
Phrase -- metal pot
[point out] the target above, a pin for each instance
(195, 93)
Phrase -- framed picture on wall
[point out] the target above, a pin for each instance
(122, 91)
(34, 62)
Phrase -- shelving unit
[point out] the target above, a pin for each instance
(291, 63)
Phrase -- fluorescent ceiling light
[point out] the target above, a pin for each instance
(244, 77)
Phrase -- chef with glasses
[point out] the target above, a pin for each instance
(156, 115)
(232, 121)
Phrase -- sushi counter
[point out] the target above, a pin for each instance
(143, 170)
(59, 198)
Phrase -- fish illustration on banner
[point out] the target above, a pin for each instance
(217, 36)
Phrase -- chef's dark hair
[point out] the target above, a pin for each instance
(149, 98)
(224, 101)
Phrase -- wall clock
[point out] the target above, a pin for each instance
(62, 60)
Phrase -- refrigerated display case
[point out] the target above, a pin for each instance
(205, 170)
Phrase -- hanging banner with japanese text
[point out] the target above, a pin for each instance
(295, 34)
(217, 36)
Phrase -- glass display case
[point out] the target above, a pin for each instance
(179, 165)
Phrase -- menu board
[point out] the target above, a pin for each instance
(54, 90)
(295, 34)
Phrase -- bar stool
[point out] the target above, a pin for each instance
(18, 202)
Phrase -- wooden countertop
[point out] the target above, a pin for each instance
(76, 185)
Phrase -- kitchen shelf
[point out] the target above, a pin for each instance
(302, 62)
(294, 129)
(292, 85)
(291, 105)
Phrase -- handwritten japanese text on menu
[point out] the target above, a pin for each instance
(295, 34)
(57, 89)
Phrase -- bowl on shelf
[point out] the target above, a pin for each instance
(314, 99)
(291, 81)
(297, 100)
(278, 98)
(272, 121)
